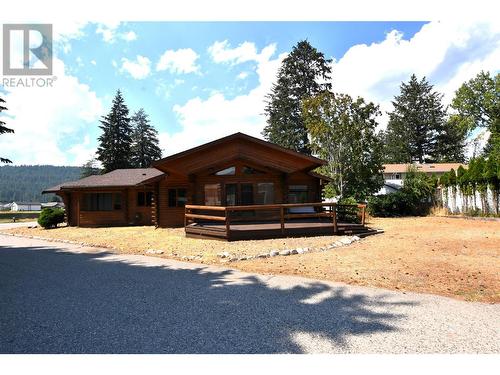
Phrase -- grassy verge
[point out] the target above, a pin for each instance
(7, 216)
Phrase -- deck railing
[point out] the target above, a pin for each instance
(229, 214)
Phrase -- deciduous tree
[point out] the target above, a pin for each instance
(342, 132)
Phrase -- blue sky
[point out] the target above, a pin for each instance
(202, 80)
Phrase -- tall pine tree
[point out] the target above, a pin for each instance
(4, 129)
(145, 142)
(115, 142)
(418, 130)
(304, 73)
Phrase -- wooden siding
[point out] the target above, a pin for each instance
(172, 216)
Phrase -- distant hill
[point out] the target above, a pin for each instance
(25, 183)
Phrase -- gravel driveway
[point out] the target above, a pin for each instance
(61, 298)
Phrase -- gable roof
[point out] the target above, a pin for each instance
(238, 145)
(116, 178)
(427, 168)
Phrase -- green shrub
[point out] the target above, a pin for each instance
(50, 217)
(348, 214)
(414, 199)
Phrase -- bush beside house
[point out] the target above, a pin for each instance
(50, 217)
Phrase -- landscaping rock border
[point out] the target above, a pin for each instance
(287, 252)
(224, 256)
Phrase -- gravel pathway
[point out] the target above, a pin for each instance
(61, 298)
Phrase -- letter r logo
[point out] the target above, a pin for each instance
(27, 49)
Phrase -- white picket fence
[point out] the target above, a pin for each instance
(457, 203)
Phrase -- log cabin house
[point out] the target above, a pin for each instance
(232, 188)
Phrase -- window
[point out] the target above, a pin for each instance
(246, 194)
(249, 170)
(102, 201)
(231, 194)
(298, 194)
(212, 194)
(226, 172)
(265, 193)
(177, 197)
(144, 198)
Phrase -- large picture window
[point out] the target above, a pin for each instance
(177, 197)
(102, 201)
(265, 193)
(212, 194)
(298, 194)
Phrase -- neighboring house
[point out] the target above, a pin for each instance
(52, 205)
(234, 170)
(394, 174)
(5, 206)
(25, 206)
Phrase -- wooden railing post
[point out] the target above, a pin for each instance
(363, 215)
(228, 223)
(282, 219)
(334, 217)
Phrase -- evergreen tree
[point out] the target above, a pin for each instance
(417, 130)
(342, 132)
(4, 129)
(304, 73)
(477, 105)
(115, 142)
(145, 142)
(90, 168)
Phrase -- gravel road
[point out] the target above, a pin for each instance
(61, 298)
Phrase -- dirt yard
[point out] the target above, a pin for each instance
(173, 243)
(448, 256)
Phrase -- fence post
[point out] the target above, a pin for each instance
(363, 215)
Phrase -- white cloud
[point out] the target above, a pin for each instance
(446, 53)
(222, 53)
(110, 34)
(242, 75)
(46, 120)
(129, 36)
(138, 69)
(93, 62)
(204, 120)
(180, 61)
(164, 89)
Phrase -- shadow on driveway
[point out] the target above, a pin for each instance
(55, 301)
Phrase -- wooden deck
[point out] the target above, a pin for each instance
(221, 223)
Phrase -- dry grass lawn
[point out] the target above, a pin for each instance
(447, 256)
(137, 240)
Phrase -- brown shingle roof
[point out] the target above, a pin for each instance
(428, 168)
(116, 178)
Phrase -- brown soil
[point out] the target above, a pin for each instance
(447, 256)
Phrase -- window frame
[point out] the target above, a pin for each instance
(99, 202)
(180, 199)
